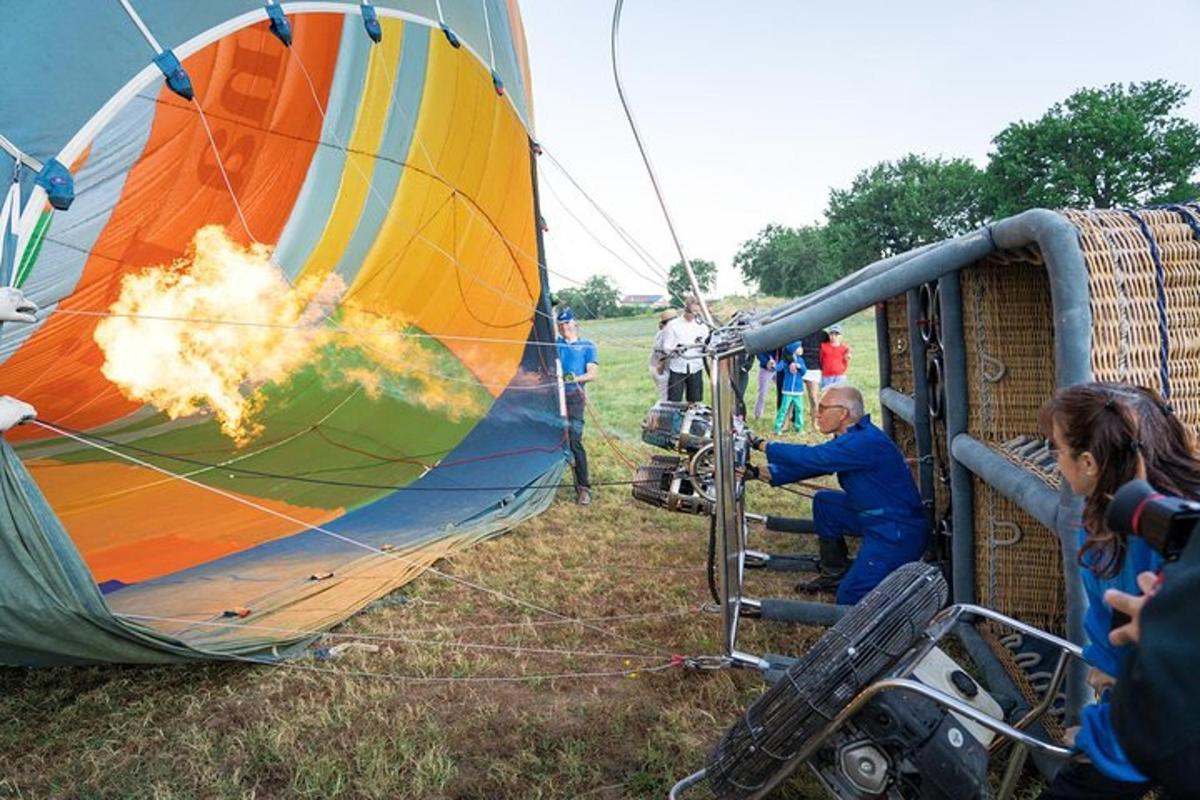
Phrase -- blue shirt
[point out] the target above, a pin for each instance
(575, 356)
(869, 467)
(1096, 735)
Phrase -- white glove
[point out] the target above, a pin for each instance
(14, 412)
(16, 307)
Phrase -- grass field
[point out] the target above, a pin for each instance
(451, 691)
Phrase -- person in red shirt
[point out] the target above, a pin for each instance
(835, 359)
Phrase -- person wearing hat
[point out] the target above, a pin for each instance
(684, 345)
(577, 358)
(658, 355)
(835, 359)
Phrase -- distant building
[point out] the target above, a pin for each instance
(649, 300)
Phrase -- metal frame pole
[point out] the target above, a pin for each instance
(918, 350)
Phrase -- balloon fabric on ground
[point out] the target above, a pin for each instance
(294, 327)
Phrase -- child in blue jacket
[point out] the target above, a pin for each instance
(791, 364)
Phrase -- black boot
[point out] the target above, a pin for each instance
(835, 561)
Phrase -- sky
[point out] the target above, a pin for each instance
(752, 111)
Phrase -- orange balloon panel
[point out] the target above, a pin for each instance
(110, 533)
(262, 115)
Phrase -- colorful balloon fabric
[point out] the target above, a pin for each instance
(295, 341)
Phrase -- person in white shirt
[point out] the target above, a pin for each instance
(658, 362)
(683, 344)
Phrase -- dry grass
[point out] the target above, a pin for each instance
(359, 727)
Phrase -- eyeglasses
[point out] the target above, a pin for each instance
(822, 408)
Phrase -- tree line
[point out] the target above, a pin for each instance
(1120, 145)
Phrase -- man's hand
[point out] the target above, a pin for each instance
(794, 367)
(14, 412)
(753, 472)
(1131, 605)
(1069, 735)
(749, 472)
(1100, 681)
(16, 307)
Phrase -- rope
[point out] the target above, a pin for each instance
(620, 454)
(107, 444)
(341, 329)
(625, 236)
(383, 637)
(546, 623)
(421, 679)
(212, 143)
(658, 281)
(1160, 279)
(325, 531)
(1189, 216)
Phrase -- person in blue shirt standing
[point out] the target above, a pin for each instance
(879, 500)
(579, 366)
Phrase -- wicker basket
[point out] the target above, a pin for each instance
(1009, 334)
(898, 344)
(1130, 256)
(1018, 563)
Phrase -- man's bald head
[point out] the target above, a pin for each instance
(848, 398)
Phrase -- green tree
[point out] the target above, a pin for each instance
(896, 206)
(786, 262)
(1119, 145)
(678, 285)
(597, 298)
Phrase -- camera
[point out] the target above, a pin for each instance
(1166, 523)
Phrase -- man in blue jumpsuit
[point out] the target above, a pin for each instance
(878, 501)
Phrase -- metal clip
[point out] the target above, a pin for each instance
(1016, 533)
(706, 663)
(993, 369)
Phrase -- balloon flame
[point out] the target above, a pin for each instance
(210, 331)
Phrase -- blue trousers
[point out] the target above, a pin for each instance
(887, 543)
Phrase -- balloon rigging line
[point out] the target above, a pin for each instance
(387, 637)
(549, 185)
(532, 386)
(221, 166)
(319, 529)
(640, 251)
(420, 679)
(683, 612)
(637, 136)
(225, 464)
(340, 328)
(104, 444)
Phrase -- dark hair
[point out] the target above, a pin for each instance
(1117, 423)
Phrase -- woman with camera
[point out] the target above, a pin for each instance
(1105, 435)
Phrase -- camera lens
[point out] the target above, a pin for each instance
(1123, 511)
